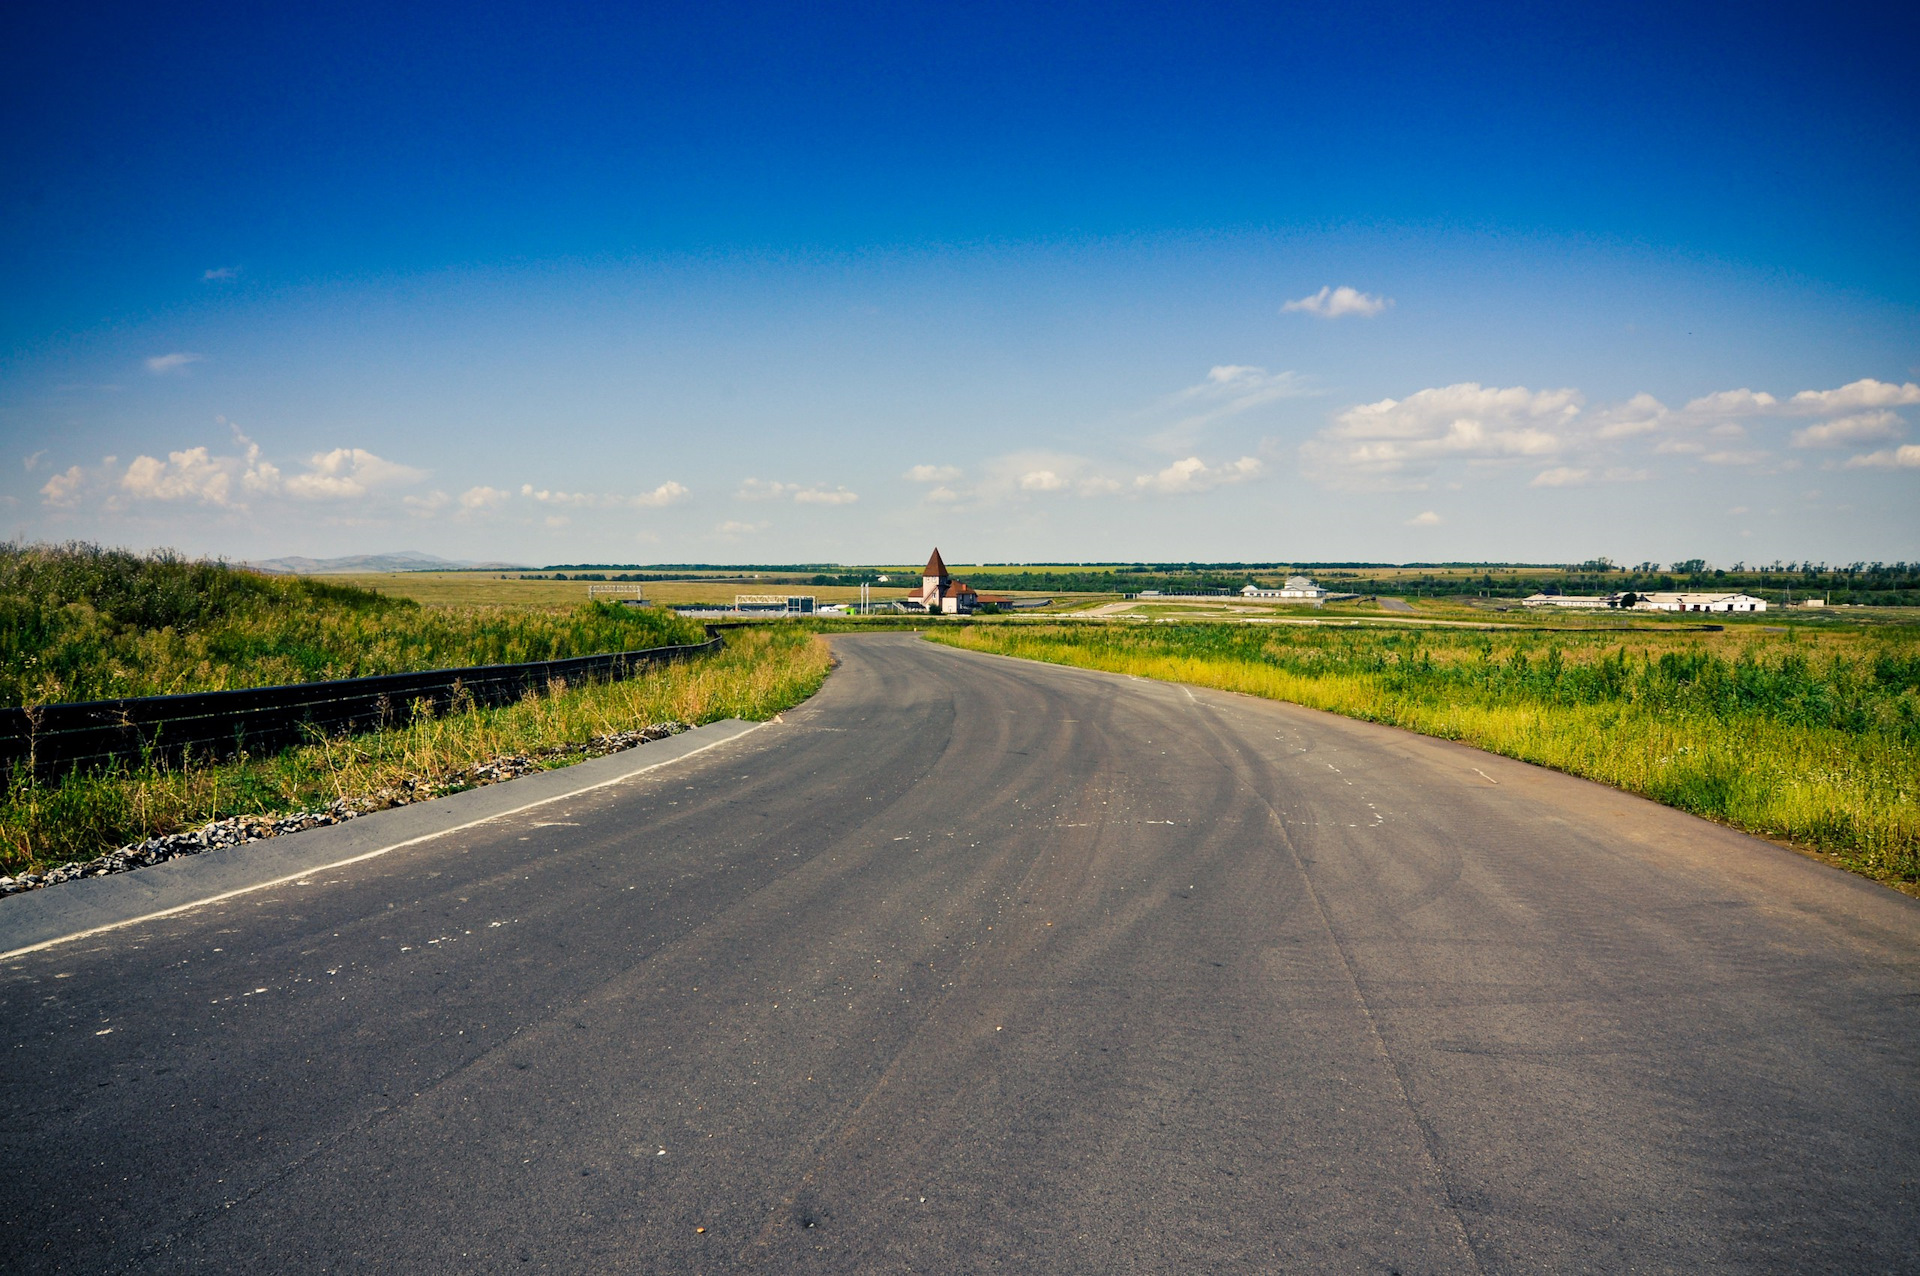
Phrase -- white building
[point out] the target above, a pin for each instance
(1699, 602)
(1573, 601)
(1297, 588)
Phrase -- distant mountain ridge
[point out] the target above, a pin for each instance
(405, 561)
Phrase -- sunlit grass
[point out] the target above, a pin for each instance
(1810, 739)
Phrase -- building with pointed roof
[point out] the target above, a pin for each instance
(941, 594)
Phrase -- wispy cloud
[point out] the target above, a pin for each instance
(933, 474)
(222, 272)
(1335, 303)
(666, 494)
(820, 495)
(160, 364)
(1561, 476)
(32, 463)
(1229, 390)
(1425, 518)
(754, 489)
(734, 528)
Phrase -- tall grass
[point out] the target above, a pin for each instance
(759, 673)
(1813, 739)
(78, 622)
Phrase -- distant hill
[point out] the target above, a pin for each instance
(294, 565)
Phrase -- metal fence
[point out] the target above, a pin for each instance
(213, 724)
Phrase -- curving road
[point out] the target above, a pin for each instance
(973, 965)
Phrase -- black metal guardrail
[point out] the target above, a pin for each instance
(54, 738)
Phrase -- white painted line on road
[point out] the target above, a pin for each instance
(368, 855)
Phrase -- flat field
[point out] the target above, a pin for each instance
(1809, 734)
(500, 589)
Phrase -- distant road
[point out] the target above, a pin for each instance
(1394, 604)
(974, 964)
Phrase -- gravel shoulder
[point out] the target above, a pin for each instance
(85, 904)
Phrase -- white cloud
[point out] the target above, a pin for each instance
(1041, 481)
(1332, 303)
(1399, 442)
(1425, 518)
(475, 499)
(163, 363)
(933, 474)
(33, 462)
(1861, 427)
(222, 272)
(733, 527)
(1405, 443)
(1642, 414)
(666, 494)
(754, 489)
(346, 473)
(1904, 457)
(1864, 393)
(192, 474)
(1194, 475)
(197, 474)
(63, 489)
(1731, 403)
(426, 506)
(819, 495)
(942, 496)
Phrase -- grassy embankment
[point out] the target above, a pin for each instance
(1809, 737)
(86, 624)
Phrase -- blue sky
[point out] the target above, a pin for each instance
(758, 283)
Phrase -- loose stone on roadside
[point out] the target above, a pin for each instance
(239, 830)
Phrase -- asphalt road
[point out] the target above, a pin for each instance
(979, 965)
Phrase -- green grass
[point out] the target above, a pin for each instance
(761, 672)
(78, 622)
(1810, 737)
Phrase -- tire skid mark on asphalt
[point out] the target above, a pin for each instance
(852, 1129)
(1241, 759)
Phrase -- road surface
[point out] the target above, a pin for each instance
(975, 965)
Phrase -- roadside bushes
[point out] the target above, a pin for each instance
(84, 814)
(79, 622)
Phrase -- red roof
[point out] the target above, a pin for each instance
(934, 566)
